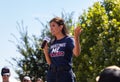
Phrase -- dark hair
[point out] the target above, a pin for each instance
(110, 74)
(60, 21)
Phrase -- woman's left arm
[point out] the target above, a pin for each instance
(77, 47)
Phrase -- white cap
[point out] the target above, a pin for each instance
(26, 78)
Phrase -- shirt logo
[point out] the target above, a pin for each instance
(55, 50)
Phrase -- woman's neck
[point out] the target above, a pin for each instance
(58, 37)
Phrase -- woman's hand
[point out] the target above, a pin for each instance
(47, 57)
(45, 49)
(77, 32)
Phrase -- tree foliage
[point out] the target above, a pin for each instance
(32, 62)
(100, 39)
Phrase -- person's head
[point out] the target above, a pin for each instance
(57, 26)
(39, 80)
(5, 73)
(109, 74)
(26, 79)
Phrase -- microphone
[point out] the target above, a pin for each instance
(45, 40)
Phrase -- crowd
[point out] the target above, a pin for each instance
(108, 74)
(5, 73)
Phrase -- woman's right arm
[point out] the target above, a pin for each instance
(47, 57)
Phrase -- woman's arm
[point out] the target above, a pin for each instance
(77, 48)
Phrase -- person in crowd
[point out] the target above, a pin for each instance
(61, 50)
(109, 74)
(26, 79)
(5, 73)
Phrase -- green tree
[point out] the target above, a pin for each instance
(32, 61)
(100, 39)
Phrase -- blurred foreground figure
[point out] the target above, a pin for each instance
(109, 74)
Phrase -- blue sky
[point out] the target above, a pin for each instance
(13, 11)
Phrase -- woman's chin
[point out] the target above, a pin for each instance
(53, 34)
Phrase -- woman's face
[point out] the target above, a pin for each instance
(55, 28)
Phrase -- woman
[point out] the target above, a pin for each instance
(59, 54)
